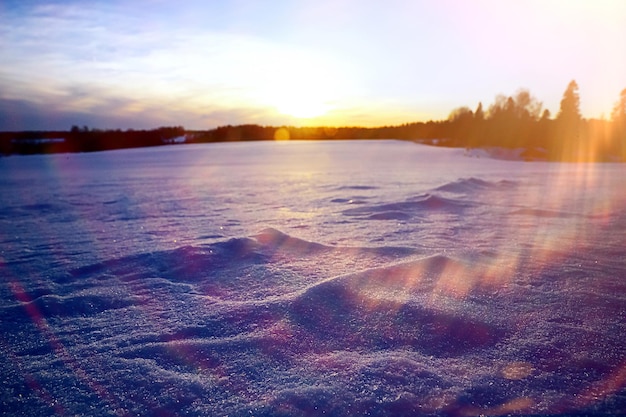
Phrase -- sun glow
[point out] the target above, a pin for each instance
(302, 95)
(302, 107)
(303, 85)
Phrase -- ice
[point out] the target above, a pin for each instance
(310, 278)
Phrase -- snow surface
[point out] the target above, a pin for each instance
(310, 278)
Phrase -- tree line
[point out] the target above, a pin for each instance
(516, 121)
(519, 121)
(84, 139)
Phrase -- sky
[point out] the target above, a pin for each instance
(206, 63)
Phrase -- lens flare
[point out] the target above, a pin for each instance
(282, 134)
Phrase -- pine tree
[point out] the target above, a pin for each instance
(568, 144)
(570, 104)
(619, 126)
(619, 111)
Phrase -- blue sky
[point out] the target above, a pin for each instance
(200, 64)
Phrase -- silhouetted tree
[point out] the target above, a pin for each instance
(619, 126)
(476, 136)
(570, 103)
(479, 114)
(542, 133)
(460, 125)
(501, 122)
(567, 142)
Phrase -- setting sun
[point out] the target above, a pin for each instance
(302, 106)
(302, 96)
(303, 85)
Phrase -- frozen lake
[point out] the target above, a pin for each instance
(310, 278)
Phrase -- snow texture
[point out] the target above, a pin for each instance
(310, 278)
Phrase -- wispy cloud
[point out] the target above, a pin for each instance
(85, 59)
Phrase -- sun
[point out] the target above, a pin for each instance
(302, 107)
(302, 98)
(301, 87)
(305, 86)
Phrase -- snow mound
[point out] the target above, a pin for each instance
(473, 185)
(382, 309)
(418, 206)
